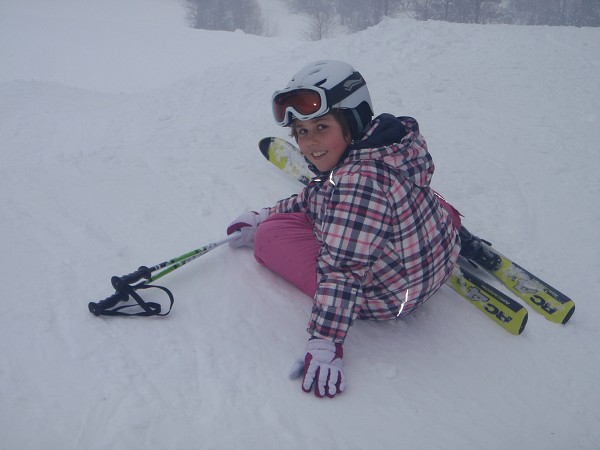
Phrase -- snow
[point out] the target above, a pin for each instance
(127, 139)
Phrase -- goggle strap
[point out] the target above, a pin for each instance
(345, 88)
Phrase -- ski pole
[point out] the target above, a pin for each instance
(124, 287)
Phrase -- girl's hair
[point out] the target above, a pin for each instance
(339, 116)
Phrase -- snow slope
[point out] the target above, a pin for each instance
(127, 139)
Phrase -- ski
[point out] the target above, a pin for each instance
(502, 309)
(286, 157)
(543, 298)
(506, 311)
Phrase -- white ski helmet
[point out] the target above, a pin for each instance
(320, 87)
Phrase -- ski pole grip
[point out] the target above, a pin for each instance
(109, 302)
(120, 282)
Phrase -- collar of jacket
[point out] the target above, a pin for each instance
(385, 129)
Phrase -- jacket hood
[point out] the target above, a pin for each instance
(397, 142)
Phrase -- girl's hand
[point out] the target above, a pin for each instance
(323, 368)
(247, 223)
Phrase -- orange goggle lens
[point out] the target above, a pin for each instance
(302, 101)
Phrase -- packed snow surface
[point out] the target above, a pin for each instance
(127, 138)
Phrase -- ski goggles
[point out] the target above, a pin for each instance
(303, 103)
(309, 102)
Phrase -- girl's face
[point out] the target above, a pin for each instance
(322, 141)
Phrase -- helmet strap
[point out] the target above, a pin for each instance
(358, 119)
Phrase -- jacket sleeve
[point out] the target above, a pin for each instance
(355, 224)
(295, 203)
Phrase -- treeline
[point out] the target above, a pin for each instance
(523, 12)
(227, 15)
(326, 16)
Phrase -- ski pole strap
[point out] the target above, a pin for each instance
(149, 308)
(124, 289)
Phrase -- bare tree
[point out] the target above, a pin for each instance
(587, 13)
(228, 15)
(321, 13)
(426, 9)
(359, 14)
(247, 16)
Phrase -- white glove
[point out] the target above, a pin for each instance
(323, 368)
(247, 223)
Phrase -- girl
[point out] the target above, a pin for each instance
(367, 238)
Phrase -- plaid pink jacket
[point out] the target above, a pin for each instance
(386, 243)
